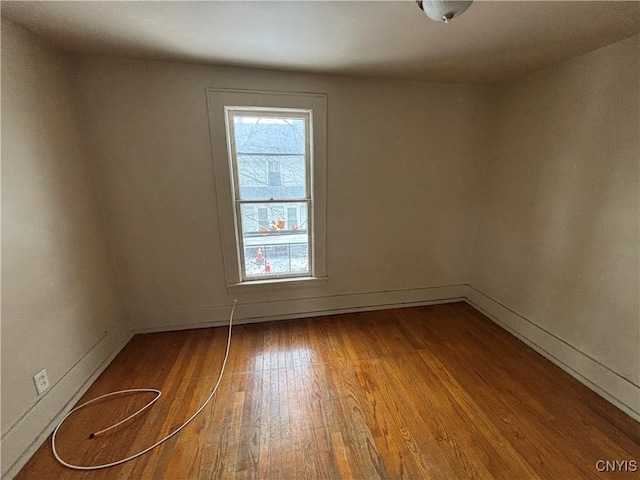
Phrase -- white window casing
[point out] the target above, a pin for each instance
(226, 105)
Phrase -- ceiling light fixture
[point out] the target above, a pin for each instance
(442, 11)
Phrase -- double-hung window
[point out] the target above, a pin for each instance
(268, 152)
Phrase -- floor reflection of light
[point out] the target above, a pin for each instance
(283, 358)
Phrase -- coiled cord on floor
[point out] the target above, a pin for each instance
(137, 390)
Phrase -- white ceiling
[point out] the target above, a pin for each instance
(491, 42)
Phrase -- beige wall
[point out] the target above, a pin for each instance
(558, 235)
(401, 164)
(58, 301)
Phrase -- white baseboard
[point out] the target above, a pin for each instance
(600, 378)
(27, 435)
(214, 316)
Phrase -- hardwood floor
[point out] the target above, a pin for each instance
(433, 392)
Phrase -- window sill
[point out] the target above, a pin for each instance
(277, 284)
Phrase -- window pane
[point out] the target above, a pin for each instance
(264, 177)
(281, 248)
(273, 218)
(269, 134)
(270, 155)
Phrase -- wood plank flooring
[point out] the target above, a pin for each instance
(432, 392)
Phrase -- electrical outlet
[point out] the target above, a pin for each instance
(42, 381)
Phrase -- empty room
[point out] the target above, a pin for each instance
(320, 240)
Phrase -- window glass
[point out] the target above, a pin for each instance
(270, 154)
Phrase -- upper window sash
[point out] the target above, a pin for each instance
(304, 153)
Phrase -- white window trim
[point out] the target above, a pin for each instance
(218, 99)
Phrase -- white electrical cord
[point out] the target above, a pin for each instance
(158, 392)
